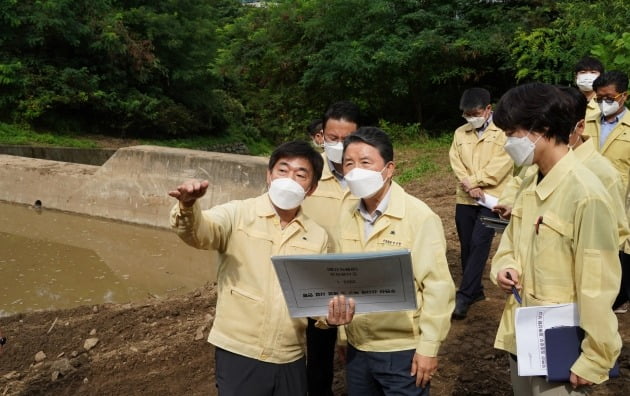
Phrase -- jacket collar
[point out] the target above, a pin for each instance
(326, 172)
(264, 208)
(396, 205)
(556, 175)
(585, 150)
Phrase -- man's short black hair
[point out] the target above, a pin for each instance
(579, 102)
(314, 127)
(588, 63)
(375, 138)
(474, 98)
(342, 110)
(614, 77)
(299, 149)
(536, 107)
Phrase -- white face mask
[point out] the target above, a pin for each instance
(334, 151)
(521, 149)
(584, 81)
(476, 122)
(286, 193)
(608, 109)
(364, 183)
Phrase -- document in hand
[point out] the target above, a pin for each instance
(378, 281)
(531, 324)
(563, 349)
(489, 201)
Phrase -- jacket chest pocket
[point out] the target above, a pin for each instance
(625, 137)
(257, 239)
(301, 245)
(552, 251)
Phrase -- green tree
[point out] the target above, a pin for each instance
(405, 61)
(548, 52)
(135, 67)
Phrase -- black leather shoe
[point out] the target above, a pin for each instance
(461, 310)
(478, 297)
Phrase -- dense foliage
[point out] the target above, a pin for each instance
(219, 68)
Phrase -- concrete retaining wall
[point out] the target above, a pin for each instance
(65, 154)
(132, 185)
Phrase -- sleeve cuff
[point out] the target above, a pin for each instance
(589, 371)
(428, 348)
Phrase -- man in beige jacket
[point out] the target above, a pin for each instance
(259, 347)
(482, 169)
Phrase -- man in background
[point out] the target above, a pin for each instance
(316, 133)
(610, 134)
(482, 169)
(324, 207)
(586, 71)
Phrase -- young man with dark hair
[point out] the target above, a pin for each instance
(259, 347)
(324, 207)
(481, 167)
(561, 243)
(586, 70)
(393, 353)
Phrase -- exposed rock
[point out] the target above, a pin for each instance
(40, 356)
(199, 334)
(93, 332)
(95, 309)
(12, 375)
(90, 343)
(62, 366)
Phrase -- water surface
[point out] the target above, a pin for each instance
(51, 259)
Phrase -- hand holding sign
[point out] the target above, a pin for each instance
(340, 311)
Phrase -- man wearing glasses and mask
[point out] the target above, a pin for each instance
(610, 133)
(324, 207)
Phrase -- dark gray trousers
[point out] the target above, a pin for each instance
(238, 375)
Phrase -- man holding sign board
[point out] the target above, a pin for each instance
(393, 352)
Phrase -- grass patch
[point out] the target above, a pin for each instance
(423, 166)
(422, 157)
(261, 147)
(18, 135)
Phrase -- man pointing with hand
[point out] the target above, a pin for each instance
(259, 347)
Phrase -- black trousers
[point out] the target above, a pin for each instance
(320, 354)
(475, 240)
(624, 290)
(239, 375)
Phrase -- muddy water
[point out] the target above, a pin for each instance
(50, 259)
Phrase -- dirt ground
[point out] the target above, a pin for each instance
(158, 346)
